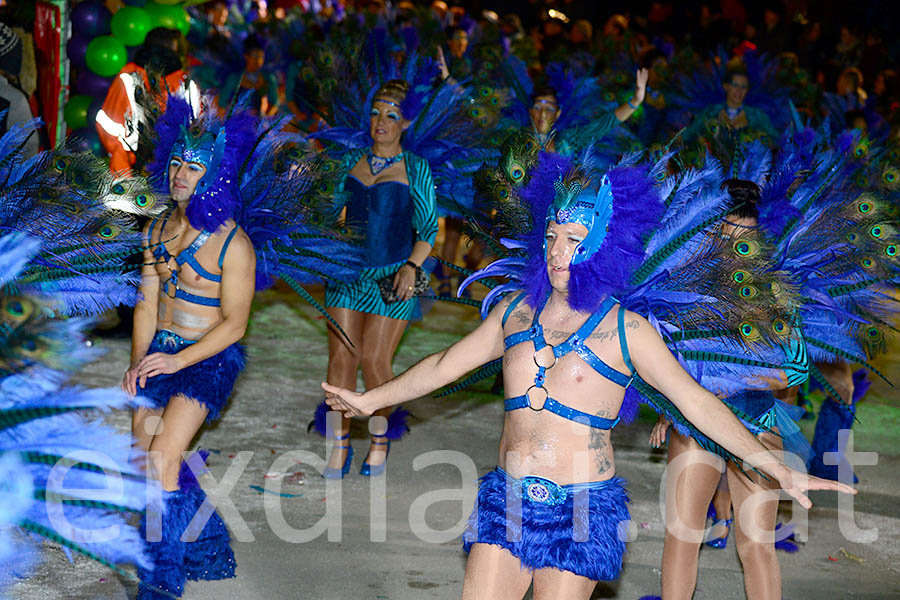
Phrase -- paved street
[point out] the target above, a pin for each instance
(420, 556)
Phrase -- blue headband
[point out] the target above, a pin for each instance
(387, 102)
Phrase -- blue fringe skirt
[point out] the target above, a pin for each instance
(208, 382)
(572, 527)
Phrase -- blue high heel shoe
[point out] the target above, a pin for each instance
(368, 470)
(332, 473)
(721, 542)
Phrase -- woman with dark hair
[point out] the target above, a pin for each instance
(694, 484)
(390, 201)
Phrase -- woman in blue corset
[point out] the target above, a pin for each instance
(390, 201)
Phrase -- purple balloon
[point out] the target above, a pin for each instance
(76, 50)
(91, 18)
(91, 84)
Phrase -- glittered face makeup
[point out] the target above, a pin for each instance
(561, 242)
(544, 113)
(386, 122)
(183, 177)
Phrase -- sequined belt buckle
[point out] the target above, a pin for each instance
(171, 340)
(542, 491)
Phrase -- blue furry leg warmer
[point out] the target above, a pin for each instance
(192, 542)
(208, 555)
(165, 549)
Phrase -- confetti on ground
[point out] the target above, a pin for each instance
(296, 477)
(262, 490)
(846, 554)
(645, 525)
(832, 559)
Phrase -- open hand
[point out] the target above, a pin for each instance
(129, 381)
(640, 88)
(346, 401)
(796, 484)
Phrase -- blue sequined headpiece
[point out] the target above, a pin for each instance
(576, 201)
(204, 148)
(221, 144)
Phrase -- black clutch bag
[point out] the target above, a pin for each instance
(386, 285)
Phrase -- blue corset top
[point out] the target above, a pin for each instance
(383, 212)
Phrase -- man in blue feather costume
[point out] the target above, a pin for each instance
(185, 356)
(552, 513)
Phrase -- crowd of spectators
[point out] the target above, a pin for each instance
(834, 56)
(853, 57)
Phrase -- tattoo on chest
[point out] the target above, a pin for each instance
(522, 317)
(601, 335)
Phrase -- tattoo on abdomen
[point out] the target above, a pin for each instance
(599, 443)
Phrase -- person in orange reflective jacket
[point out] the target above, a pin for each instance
(118, 119)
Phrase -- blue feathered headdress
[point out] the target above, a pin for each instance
(226, 142)
(636, 212)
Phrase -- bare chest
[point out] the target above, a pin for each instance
(550, 359)
(189, 263)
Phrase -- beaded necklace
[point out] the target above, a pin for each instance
(377, 164)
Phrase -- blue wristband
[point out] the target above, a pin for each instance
(633, 107)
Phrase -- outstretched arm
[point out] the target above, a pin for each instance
(482, 345)
(658, 367)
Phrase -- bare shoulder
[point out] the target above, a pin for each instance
(520, 312)
(151, 226)
(240, 248)
(638, 330)
(635, 321)
(647, 345)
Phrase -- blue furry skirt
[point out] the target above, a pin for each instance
(568, 527)
(208, 382)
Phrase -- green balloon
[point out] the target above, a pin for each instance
(106, 55)
(130, 25)
(170, 17)
(76, 111)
